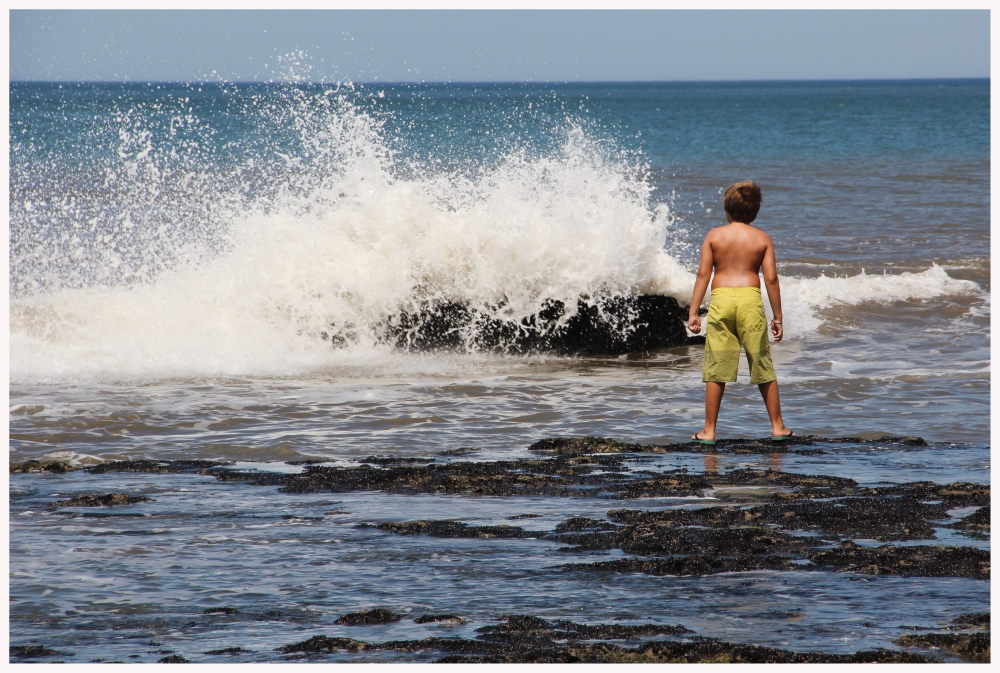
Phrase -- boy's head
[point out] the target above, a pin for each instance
(742, 201)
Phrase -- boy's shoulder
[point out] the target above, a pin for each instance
(727, 231)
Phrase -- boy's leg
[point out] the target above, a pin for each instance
(713, 400)
(769, 391)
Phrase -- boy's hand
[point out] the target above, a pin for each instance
(694, 323)
(776, 330)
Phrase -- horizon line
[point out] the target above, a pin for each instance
(507, 82)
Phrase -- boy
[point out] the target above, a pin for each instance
(737, 252)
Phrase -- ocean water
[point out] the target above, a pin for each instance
(183, 258)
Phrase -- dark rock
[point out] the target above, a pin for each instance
(647, 540)
(971, 619)
(872, 518)
(959, 494)
(366, 617)
(318, 644)
(53, 466)
(575, 446)
(978, 520)
(163, 466)
(173, 659)
(667, 485)
(521, 630)
(916, 561)
(394, 460)
(612, 326)
(582, 523)
(687, 565)
(712, 651)
(971, 646)
(30, 651)
(448, 619)
(528, 639)
(453, 529)
(224, 611)
(585, 445)
(95, 500)
(561, 476)
(524, 516)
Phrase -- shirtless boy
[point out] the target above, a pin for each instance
(737, 253)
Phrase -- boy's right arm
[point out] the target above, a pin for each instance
(701, 285)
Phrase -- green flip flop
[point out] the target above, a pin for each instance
(706, 442)
(783, 438)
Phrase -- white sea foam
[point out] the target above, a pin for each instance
(347, 242)
(802, 297)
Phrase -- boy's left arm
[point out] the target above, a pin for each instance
(770, 269)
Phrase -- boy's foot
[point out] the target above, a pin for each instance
(698, 440)
(782, 438)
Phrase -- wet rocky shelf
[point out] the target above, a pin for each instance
(768, 520)
(776, 520)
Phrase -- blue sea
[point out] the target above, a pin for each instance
(202, 271)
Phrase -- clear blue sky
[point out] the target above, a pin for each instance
(473, 45)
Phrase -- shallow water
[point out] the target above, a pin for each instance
(177, 251)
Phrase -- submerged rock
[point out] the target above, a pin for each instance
(30, 651)
(441, 619)
(230, 651)
(95, 500)
(688, 565)
(223, 611)
(452, 529)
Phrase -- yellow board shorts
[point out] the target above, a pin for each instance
(736, 317)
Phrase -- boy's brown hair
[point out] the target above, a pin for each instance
(742, 201)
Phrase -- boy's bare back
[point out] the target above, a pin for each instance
(738, 251)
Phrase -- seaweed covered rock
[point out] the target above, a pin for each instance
(368, 617)
(162, 466)
(52, 466)
(872, 518)
(916, 561)
(970, 646)
(30, 651)
(95, 500)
